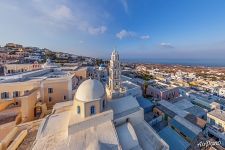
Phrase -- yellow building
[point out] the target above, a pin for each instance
(216, 125)
(216, 118)
(35, 91)
(54, 86)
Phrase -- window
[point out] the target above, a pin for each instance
(49, 99)
(5, 95)
(50, 90)
(78, 109)
(16, 94)
(92, 110)
(26, 92)
(64, 97)
(212, 121)
(103, 104)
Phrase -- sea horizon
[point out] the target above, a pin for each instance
(185, 62)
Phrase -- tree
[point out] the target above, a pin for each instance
(99, 62)
(50, 55)
(145, 86)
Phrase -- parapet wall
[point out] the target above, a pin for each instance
(91, 121)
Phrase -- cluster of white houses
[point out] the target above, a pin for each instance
(75, 104)
(96, 106)
(94, 109)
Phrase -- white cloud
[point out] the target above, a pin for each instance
(145, 37)
(125, 34)
(166, 45)
(97, 30)
(62, 12)
(58, 14)
(125, 5)
(130, 34)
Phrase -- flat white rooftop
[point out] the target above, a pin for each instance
(100, 137)
(123, 106)
(162, 86)
(127, 137)
(149, 141)
(188, 124)
(34, 75)
(57, 131)
(173, 108)
(183, 104)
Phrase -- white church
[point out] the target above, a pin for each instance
(99, 118)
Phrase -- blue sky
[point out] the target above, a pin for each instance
(138, 29)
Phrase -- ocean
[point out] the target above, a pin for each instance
(186, 62)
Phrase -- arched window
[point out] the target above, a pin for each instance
(78, 109)
(92, 111)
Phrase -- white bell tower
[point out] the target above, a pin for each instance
(114, 84)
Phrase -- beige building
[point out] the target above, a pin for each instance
(53, 87)
(84, 73)
(162, 91)
(23, 109)
(217, 118)
(6, 57)
(18, 68)
(13, 45)
(216, 125)
(35, 91)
